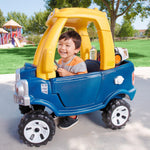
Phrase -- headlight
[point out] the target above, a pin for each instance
(21, 95)
(22, 88)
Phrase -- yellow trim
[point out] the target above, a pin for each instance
(38, 51)
(107, 51)
(85, 44)
(45, 66)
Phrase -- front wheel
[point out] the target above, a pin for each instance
(36, 128)
(26, 109)
(116, 114)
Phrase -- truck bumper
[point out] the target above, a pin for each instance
(22, 100)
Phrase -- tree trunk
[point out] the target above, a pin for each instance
(113, 22)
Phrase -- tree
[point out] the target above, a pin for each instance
(126, 29)
(36, 23)
(51, 4)
(117, 8)
(2, 18)
(117, 29)
(20, 18)
(136, 33)
(92, 31)
(147, 32)
(114, 8)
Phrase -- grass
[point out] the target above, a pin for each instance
(11, 59)
(139, 51)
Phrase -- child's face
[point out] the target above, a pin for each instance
(66, 49)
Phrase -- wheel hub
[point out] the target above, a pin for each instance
(36, 131)
(120, 115)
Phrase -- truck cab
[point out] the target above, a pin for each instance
(107, 86)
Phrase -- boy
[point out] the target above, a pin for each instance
(70, 64)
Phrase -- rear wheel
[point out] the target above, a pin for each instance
(116, 114)
(36, 128)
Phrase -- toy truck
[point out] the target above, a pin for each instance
(106, 87)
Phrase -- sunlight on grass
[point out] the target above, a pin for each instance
(139, 51)
(11, 59)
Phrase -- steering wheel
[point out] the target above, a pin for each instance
(57, 74)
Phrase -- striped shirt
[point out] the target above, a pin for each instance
(75, 65)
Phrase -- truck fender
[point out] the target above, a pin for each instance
(119, 95)
(46, 104)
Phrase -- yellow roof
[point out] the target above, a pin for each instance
(78, 16)
(12, 24)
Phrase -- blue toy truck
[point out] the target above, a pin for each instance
(107, 86)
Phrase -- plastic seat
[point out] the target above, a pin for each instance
(92, 65)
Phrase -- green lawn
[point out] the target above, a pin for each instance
(139, 51)
(11, 59)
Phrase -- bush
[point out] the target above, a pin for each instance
(33, 39)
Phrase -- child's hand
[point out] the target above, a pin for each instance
(62, 72)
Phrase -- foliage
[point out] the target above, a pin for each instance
(117, 29)
(114, 9)
(37, 22)
(92, 31)
(136, 33)
(33, 39)
(34, 24)
(117, 8)
(20, 18)
(51, 4)
(147, 32)
(126, 29)
(2, 19)
(141, 8)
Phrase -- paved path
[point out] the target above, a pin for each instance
(90, 133)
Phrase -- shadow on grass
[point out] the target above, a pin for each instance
(136, 55)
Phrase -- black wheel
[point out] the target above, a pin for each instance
(36, 128)
(26, 109)
(38, 107)
(116, 114)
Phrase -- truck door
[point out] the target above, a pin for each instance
(77, 90)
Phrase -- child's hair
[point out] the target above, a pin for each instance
(74, 36)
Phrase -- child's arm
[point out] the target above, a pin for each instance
(62, 72)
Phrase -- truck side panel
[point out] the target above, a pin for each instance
(77, 91)
(111, 87)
